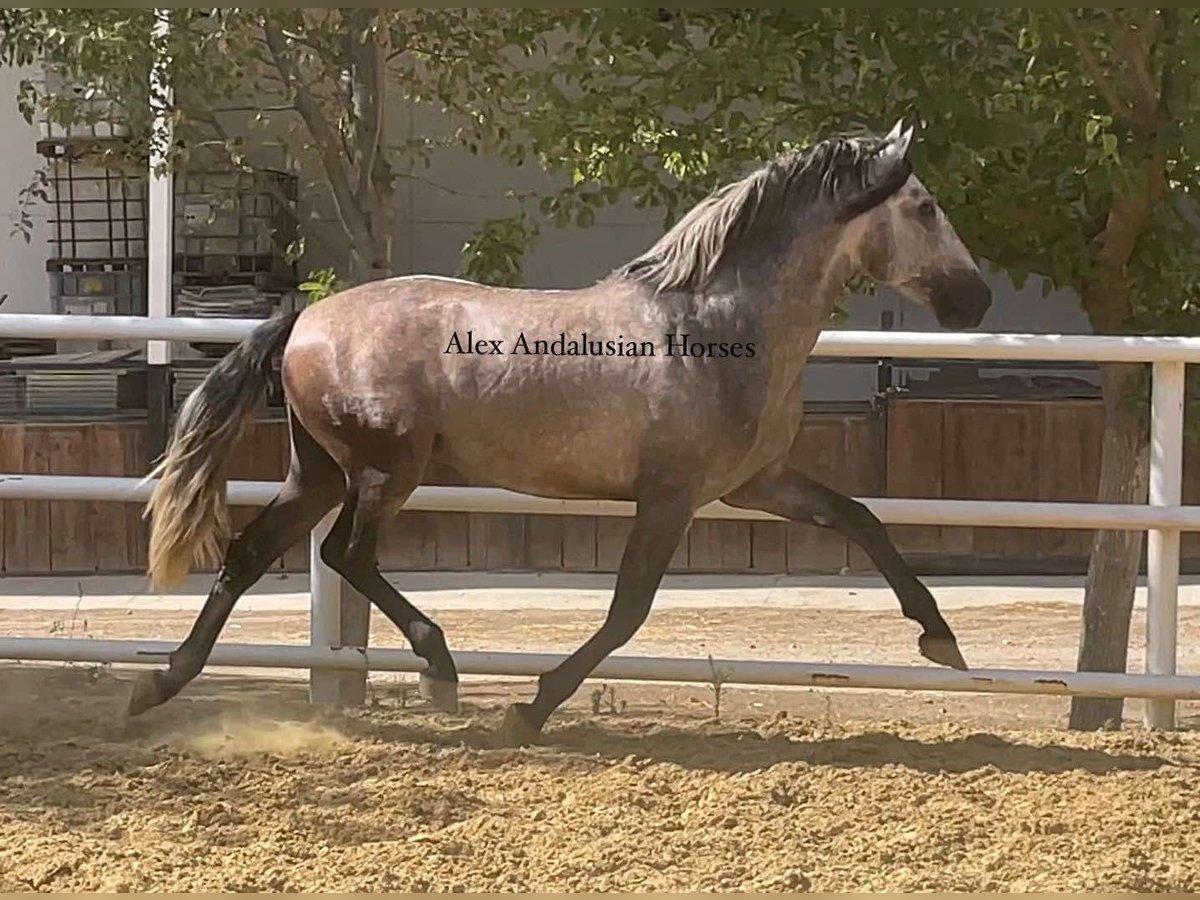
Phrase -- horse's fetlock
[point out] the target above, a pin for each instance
(428, 635)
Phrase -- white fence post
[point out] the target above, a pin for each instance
(160, 242)
(334, 612)
(160, 211)
(1162, 550)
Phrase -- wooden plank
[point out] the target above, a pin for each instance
(477, 557)
(497, 541)
(579, 543)
(863, 473)
(408, 540)
(735, 546)
(109, 537)
(70, 449)
(12, 459)
(510, 543)
(134, 440)
(545, 542)
(703, 546)
(612, 533)
(915, 439)
(27, 527)
(817, 450)
(718, 546)
(7, 464)
(807, 547)
(679, 561)
(114, 526)
(768, 547)
(451, 539)
(812, 549)
(1068, 467)
(990, 455)
(864, 457)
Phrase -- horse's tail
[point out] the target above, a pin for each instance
(189, 518)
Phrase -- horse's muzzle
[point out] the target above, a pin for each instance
(959, 298)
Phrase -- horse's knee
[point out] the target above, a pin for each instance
(245, 561)
(345, 559)
(334, 555)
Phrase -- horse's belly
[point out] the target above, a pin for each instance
(581, 462)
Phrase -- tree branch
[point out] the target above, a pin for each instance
(322, 133)
(1106, 294)
(209, 118)
(1135, 47)
(1171, 88)
(283, 107)
(1094, 70)
(373, 56)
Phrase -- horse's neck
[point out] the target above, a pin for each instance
(798, 299)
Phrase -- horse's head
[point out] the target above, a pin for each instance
(907, 242)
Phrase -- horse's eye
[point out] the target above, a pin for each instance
(927, 209)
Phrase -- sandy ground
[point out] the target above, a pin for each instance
(240, 785)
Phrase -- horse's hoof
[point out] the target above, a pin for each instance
(517, 730)
(147, 693)
(942, 650)
(442, 695)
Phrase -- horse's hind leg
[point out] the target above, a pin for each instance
(795, 496)
(657, 530)
(350, 551)
(314, 484)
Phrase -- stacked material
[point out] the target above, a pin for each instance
(68, 383)
(239, 301)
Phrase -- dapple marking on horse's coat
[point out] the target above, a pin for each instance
(372, 398)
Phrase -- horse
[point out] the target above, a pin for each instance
(672, 382)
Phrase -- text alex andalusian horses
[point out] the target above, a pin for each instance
(373, 396)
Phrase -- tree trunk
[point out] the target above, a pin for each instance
(372, 259)
(1113, 567)
(366, 49)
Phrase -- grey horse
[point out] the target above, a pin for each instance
(673, 382)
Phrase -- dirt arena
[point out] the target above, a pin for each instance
(240, 785)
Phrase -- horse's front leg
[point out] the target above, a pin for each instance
(657, 529)
(793, 495)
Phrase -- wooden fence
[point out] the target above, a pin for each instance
(923, 448)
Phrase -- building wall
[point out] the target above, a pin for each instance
(22, 265)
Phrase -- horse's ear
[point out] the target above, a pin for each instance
(886, 170)
(891, 159)
(896, 144)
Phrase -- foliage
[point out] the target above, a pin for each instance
(1018, 134)
(496, 253)
(322, 283)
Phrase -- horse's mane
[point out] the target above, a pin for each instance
(835, 170)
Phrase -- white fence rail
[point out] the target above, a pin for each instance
(1163, 517)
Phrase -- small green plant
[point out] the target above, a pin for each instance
(321, 283)
(717, 680)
